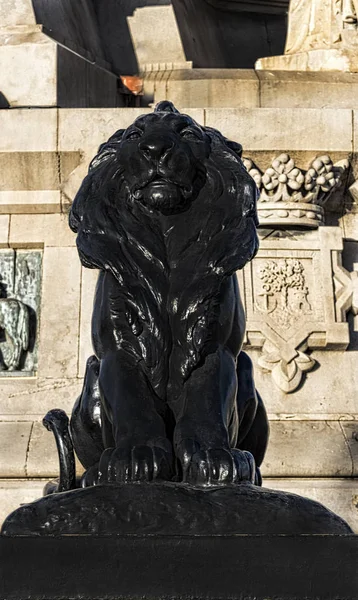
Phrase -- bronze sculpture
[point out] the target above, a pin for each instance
(168, 214)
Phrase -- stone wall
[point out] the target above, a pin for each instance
(44, 155)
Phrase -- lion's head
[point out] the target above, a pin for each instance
(161, 166)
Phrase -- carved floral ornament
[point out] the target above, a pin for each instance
(297, 293)
(290, 196)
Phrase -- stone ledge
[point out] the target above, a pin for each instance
(296, 449)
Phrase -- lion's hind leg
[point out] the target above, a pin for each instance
(253, 425)
(86, 422)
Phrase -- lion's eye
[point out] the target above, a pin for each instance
(189, 134)
(133, 135)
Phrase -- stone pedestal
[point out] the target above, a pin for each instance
(236, 567)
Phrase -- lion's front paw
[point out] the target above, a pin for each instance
(214, 466)
(127, 464)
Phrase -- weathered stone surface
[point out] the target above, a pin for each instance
(330, 390)
(20, 130)
(282, 128)
(58, 346)
(152, 43)
(217, 88)
(34, 231)
(31, 398)
(307, 449)
(14, 492)
(14, 442)
(305, 89)
(19, 201)
(14, 13)
(42, 457)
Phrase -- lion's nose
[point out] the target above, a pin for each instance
(156, 148)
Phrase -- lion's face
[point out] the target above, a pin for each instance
(167, 183)
(161, 157)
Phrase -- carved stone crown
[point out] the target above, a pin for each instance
(291, 197)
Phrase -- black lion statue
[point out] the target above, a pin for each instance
(167, 213)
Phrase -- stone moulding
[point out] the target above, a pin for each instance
(297, 295)
(290, 196)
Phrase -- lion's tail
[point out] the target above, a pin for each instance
(57, 421)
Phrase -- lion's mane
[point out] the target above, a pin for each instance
(126, 238)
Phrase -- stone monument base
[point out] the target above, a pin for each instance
(342, 60)
(240, 567)
(166, 508)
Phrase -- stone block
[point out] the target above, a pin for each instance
(22, 202)
(349, 224)
(89, 280)
(328, 391)
(42, 456)
(300, 89)
(151, 41)
(16, 13)
(35, 231)
(4, 230)
(20, 130)
(29, 71)
(30, 171)
(307, 449)
(14, 492)
(350, 431)
(339, 495)
(29, 399)
(60, 312)
(216, 88)
(14, 442)
(283, 128)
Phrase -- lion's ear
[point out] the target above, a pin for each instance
(167, 107)
(235, 146)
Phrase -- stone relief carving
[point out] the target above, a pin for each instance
(293, 196)
(20, 284)
(319, 24)
(321, 36)
(297, 296)
(349, 12)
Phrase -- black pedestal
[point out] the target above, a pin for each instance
(318, 567)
